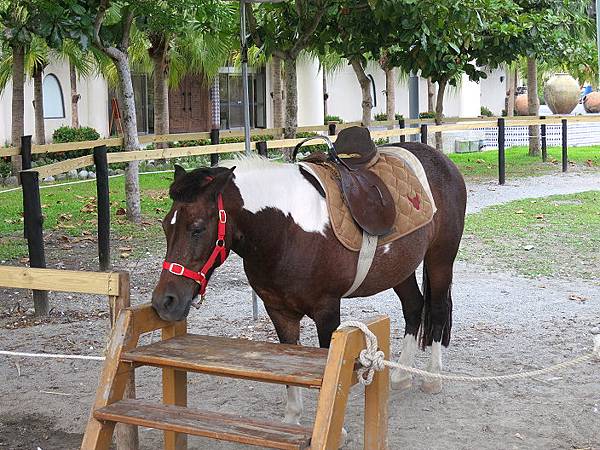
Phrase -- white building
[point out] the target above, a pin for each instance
(190, 110)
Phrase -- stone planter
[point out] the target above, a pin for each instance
(521, 106)
(561, 93)
(591, 102)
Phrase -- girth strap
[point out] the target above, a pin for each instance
(365, 260)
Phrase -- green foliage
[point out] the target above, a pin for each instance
(5, 167)
(426, 115)
(70, 134)
(485, 111)
(331, 118)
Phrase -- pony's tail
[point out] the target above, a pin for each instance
(426, 330)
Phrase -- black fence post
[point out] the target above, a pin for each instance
(423, 133)
(26, 152)
(565, 156)
(544, 143)
(331, 129)
(501, 153)
(261, 148)
(33, 220)
(402, 125)
(214, 139)
(103, 204)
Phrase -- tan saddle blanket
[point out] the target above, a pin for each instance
(414, 206)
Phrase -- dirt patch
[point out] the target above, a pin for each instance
(35, 432)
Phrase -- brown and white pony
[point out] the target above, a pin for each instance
(277, 221)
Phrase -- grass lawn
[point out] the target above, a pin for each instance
(71, 211)
(557, 236)
(482, 166)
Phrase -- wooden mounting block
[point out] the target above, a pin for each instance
(331, 371)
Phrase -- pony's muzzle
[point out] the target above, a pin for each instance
(169, 305)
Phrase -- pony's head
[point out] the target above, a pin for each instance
(198, 239)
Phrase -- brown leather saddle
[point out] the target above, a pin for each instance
(368, 198)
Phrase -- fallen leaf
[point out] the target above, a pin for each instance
(65, 217)
(589, 163)
(120, 212)
(519, 211)
(24, 260)
(528, 247)
(125, 255)
(539, 216)
(578, 298)
(519, 436)
(125, 249)
(88, 208)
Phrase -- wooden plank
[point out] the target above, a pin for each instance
(395, 132)
(70, 146)
(237, 358)
(174, 389)
(10, 151)
(283, 143)
(176, 137)
(214, 425)
(113, 381)
(166, 153)
(145, 319)
(461, 126)
(64, 166)
(377, 394)
(102, 283)
(346, 345)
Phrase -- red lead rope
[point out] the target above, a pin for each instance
(218, 252)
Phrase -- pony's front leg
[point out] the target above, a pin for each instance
(287, 326)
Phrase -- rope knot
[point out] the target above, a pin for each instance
(371, 358)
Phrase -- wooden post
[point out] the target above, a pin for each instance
(103, 204)
(501, 153)
(424, 133)
(26, 152)
(33, 221)
(402, 125)
(261, 148)
(544, 143)
(565, 156)
(174, 389)
(377, 393)
(214, 139)
(127, 437)
(331, 129)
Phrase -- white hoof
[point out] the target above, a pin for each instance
(432, 386)
(400, 381)
(292, 419)
(343, 438)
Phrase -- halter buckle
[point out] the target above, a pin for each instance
(179, 267)
(220, 243)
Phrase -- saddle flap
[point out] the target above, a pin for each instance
(368, 200)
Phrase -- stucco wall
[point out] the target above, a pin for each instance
(493, 91)
(93, 109)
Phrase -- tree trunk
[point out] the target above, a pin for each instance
(439, 113)
(277, 92)
(130, 136)
(161, 94)
(291, 99)
(365, 87)
(38, 105)
(534, 107)
(74, 97)
(510, 92)
(431, 101)
(390, 93)
(18, 104)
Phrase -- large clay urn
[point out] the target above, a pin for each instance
(591, 102)
(521, 106)
(561, 93)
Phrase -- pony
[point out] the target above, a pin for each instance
(276, 219)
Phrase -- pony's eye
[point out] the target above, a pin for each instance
(199, 231)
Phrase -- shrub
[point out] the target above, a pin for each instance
(70, 134)
(330, 118)
(426, 115)
(398, 116)
(5, 167)
(380, 117)
(485, 112)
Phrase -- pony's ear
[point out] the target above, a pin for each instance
(220, 181)
(179, 172)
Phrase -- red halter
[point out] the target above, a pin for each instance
(218, 252)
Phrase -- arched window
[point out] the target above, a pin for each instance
(54, 106)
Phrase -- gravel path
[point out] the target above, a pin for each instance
(490, 193)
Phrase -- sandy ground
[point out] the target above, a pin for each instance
(503, 324)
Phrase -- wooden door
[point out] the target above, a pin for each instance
(189, 106)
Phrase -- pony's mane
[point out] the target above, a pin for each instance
(188, 187)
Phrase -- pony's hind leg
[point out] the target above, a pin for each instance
(412, 307)
(287, 326)
(437, 316)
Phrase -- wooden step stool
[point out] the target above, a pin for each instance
(331, 371)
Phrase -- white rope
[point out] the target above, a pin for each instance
(52, 355)
(372, 359)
